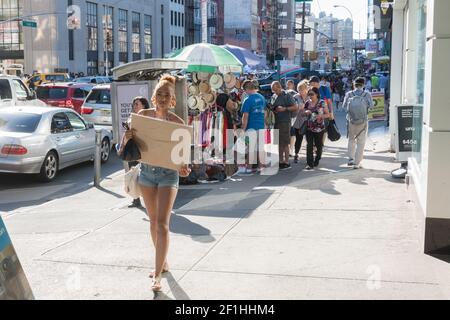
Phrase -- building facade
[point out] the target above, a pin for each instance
(108, 33)
(208, 21)
(420, 67)
(243, 27)
(177, 24)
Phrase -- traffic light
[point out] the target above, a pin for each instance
(263, 26)
(334, 65)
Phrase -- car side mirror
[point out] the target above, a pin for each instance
(90, 125)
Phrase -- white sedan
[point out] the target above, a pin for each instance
(43, 140)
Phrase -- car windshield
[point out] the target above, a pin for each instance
(51, 93)
(99, 97)
(19, 122)
(56, 78)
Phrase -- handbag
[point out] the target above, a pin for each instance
(333, 131)
(130, 152)
(303, 128)
(131, 185)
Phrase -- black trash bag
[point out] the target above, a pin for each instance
(333, 131)
(131, 152)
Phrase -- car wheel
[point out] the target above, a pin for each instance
(105, 150)
(49, 167)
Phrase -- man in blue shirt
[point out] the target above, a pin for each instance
(325, 93)
(253, 118)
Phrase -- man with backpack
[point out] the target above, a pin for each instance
(357, 104)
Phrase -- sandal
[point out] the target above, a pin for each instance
(156, 285)
(165, 270)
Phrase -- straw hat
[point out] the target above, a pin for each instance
(238, 84)
(195, 78)
(203, 76)
(210, 98)
(204, 87)
(192, 102)
(193, 90)
(230, 82)
(216, 81)
(201, 104)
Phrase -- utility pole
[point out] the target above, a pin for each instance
(303, 35)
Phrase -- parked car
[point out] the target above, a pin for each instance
(65, 95)
(40, 78)
(14, 92)
(94, 80)
(44, 140)
(97, 106)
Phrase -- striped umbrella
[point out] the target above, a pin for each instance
(206, 57)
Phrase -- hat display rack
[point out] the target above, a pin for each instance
(205, 87)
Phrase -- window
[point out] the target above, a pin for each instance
(51, 93)
(11, 36)
(99, 97)
(19, 122)
(123, 31)
(5, 89)
(136, 27)
(21, 90)
(60, 123)
(108, 31)
(171, 17)
(148, 35)
(55, 77)
(76, 122)
(92, 26)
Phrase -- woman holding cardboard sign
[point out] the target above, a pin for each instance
(159, 186)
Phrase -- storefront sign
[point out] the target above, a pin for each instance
(409, 124)
(123, 95)
(378, 112)
(13, 282)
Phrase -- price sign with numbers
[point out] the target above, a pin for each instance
(409, 120)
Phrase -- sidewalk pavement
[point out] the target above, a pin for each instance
(333, 233)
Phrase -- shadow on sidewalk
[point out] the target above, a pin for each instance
(177, 291)
(182, 225)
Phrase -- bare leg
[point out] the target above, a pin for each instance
(150, 196)
(166, 199)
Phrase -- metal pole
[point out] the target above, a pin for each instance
(303, 35)
(97, 158)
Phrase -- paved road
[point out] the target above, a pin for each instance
(24, 191)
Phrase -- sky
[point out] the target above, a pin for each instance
(357, 7)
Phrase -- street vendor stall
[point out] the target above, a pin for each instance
(214, 71)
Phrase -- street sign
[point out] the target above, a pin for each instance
(30, 24)
(332, 41)
(300, 30)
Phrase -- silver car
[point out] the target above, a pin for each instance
(97, 106)
(44, 140)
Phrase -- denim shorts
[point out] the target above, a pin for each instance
(156, 177)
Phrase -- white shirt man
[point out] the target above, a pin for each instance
(357, 104)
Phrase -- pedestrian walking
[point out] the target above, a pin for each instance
(301, 99)
(357, 104)
(317, 111)
(159, 186)
(139, 103)
(283, 105)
